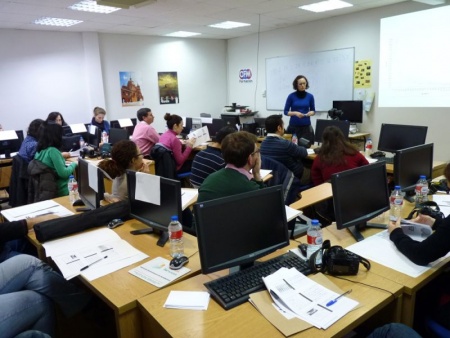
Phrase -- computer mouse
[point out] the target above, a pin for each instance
(178, 262)
(303, 247)
(115, 223)
(78, 203)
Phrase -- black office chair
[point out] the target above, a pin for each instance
(18, 185)
(165, 165)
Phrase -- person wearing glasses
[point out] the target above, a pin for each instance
(124, 155)
(242, 170)
(144, 135)
(300, 107)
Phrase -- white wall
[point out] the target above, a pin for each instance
(359, 30)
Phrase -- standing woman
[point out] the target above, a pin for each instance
(47, 152)
(124, 155)
(99, 121)
(300, 107)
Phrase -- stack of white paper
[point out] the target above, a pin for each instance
(302, 297)
(36, 209)
(189, 300)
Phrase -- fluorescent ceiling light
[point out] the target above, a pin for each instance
(56, 22)
(182, 34)
(431, 2)
(324, 6)
(91, 6)
(229, 25)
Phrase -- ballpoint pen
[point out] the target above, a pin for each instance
(98, 260)
(331, 302)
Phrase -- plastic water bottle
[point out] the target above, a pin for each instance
(294, 139)
(81, 142)
(176, 237)
(315, 239)
(72, 186)
(396, 201)
(368, 147)
(421, 190)
(104, 137)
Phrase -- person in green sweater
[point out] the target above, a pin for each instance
(47, 152)
(241, 173)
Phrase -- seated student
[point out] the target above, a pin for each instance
(28, 147)
(282, 150)
(99, 121)
(241, 155)
(47, 153)
(209, 160)
(56, 117)
(170, 141)
(435, 246)
(125, 155)
(336, 154)
(28, 288)
(144, 135)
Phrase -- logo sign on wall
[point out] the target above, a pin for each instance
(245, 75)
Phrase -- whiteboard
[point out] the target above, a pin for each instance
(329, 73)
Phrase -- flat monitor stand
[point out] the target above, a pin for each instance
(356, 230)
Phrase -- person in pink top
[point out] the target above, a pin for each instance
(144, 135)
(170, 141)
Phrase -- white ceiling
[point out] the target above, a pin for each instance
(167, 16)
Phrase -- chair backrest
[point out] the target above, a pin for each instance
(165, 165)
(42, 183)
(5, 173)
(18, 184)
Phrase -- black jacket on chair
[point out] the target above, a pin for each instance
(42, 184)
(164, 162)
(18, 185)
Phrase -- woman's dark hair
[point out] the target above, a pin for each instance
(334, 146)
(33, 128)
(53, 116)
(172, 120)
(294, 83)
(50, 135)
(122, 154)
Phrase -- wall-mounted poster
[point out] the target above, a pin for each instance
(130, 89)
(168, 88)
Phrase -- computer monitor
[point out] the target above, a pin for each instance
(409, 164)
(352, 111)
(236, 230)
(9, 145)
(91, 186)
(321, 124)
(231, 120)
(394, 137)
(67, 131)
(94, 135)
(187, 127)
(114, 124)
(260, 122)
(117, 134)
(359, 195)
(214, 127)
(157, 217)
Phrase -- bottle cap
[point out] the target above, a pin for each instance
(423, 177)
(71, 176)
(397, 187)
(174, 218)
(314, 222)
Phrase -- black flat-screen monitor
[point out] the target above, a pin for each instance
(409, 164)
(352, 111)
(157, 217)
(214, 127)
(321, 124)
(114, 124)
(67, 131)
(94, 135)
(394, 137)
(260, 122)
(117, 134)
(187, 127)
(231, 120)
(359, 195)
(9, 146)
(236, 230)
(91, 186)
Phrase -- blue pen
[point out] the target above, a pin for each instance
(331, 302)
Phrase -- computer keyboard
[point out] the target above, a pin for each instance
(388, 160)
(233, 290)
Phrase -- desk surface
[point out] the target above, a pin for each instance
(313, 195)
(245, 321)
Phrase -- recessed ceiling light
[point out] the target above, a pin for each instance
(182, 34)
(56, 22)
(229, 25)
(91, 6)
(324, 6)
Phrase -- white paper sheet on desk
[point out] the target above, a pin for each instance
(36, 209)
(263, 172)
(443, 201)
(189, 300)
(187, 195)
(310, 151)
(379, 248)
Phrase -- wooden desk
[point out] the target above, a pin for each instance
(411, 285)
(313, 195)
(245, 321)
(438, 168)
